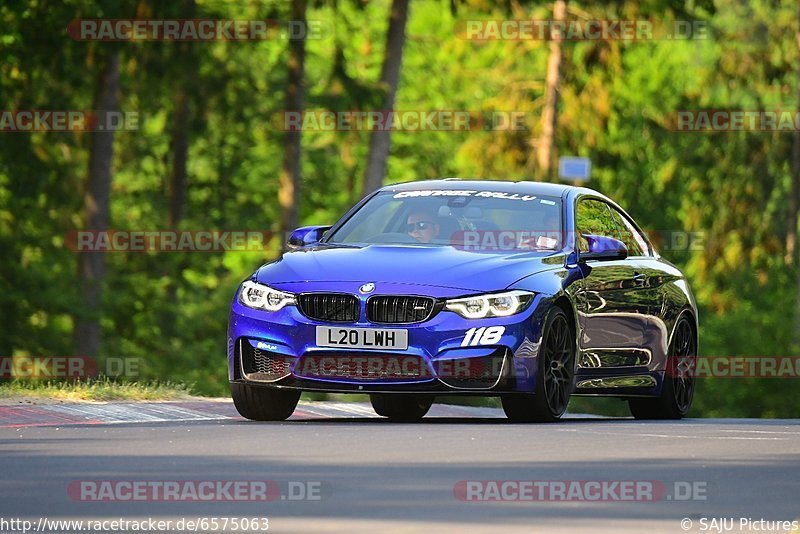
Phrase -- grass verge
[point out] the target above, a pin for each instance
(103, 389)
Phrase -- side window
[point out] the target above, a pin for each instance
(628, 234)
(594, 217)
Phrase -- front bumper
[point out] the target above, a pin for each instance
(278, 349)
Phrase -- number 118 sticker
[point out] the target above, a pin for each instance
(483, 336)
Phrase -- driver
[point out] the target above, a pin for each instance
(551, 226)
(547, 235)
(422, 226)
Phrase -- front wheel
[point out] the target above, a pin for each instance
(401, 407)
(677, 391)
(263, 404)
(554, 379)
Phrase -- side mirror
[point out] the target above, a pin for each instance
(306, 236)
(602, 248)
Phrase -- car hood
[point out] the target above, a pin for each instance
(441, 266)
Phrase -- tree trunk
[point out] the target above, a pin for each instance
(180, 150)
(544, 149)
(793, 202)
(794, 192)
(380, 140)
(91, 265)
(290, 178)
(179, 144)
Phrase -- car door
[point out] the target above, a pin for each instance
(647, 274)
(651, 276)
(612, 305)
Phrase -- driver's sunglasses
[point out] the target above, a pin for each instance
(419, 226)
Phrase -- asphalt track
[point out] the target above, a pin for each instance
(336, 467)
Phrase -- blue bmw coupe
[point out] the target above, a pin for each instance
(531, 292)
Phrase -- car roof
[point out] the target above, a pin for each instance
(523, 187)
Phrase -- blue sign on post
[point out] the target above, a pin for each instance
(571, 168)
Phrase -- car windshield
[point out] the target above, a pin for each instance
(473, 220)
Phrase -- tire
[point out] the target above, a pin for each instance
(677, 390)
(263, 404)
(401, 407)
(555, 376)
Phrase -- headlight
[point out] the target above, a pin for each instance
(261, 297)
(494, 305)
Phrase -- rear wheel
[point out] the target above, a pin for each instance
(401, 407)
(263, 404)
(677, 390)
(554, 379)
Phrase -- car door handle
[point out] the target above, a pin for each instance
(639, 279)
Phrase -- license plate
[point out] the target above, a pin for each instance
(362, 338)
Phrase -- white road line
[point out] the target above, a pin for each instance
(762, 432)
(629, 434)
